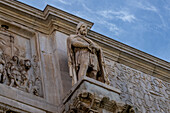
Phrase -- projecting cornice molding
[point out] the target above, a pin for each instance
(14, 13)
(44, 21)
(132, 57)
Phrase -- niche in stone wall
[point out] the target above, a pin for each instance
(19, 63)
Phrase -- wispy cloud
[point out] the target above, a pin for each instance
(127, 17)
(168, 8)
(113, 28)
(65, 2)
(99, 21)
(80, 14)
(145, 6)
(123, 15)
(110, 26)
(86, 8)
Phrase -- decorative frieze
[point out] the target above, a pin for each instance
(149, 94)
(17, 67)
(92, 96)
(86, 102)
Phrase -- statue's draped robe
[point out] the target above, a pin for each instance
(76, 55)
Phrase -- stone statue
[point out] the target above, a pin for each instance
(2, 70)
(85, 57)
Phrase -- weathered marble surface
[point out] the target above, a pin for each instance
(19, 66)
(149, 94)
(92, 96)
(139, 89)
(40, 36)
(85, 57)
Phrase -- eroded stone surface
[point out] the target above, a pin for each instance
(102, 99)
(149, 94)
(40, 38)
(18, 68)
(85, 58)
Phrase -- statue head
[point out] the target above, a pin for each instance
(81, 29)
(27, 64)
(15, 58)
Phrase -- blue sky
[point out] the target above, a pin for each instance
(142, 24)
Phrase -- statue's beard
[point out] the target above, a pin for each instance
(83, 32)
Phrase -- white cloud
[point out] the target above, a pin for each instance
(126, 17)
(64, 2)
(111, 27)
(145, 6)
(162, 20)
(88, 9)
(106, 14)
(123, 15)
(80, 14)
(167, 7)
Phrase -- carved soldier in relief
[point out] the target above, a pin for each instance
(15, 67)
(2, 70)
(85, 57)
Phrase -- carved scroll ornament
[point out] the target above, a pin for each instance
(86, 102)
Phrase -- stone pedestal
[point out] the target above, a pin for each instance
(91, 96)
(13, 100)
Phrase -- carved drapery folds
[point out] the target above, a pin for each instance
(85, 58)
(17, 69)
(86, 102)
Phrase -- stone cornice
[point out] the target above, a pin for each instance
(50, 19)
(132, 57)
(45, 21)
(92, 81)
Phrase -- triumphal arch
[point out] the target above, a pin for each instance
(51, 62)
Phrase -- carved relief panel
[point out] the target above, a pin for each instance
(19, 66)
(86, 102)
(149, 94)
